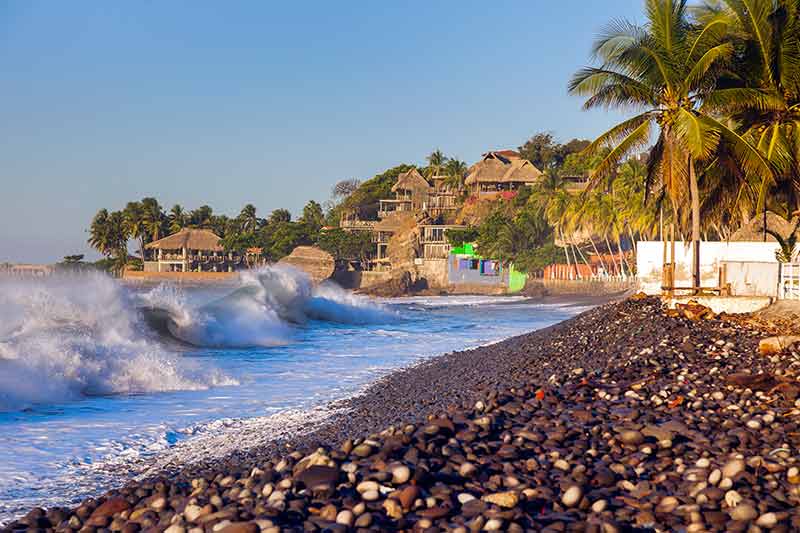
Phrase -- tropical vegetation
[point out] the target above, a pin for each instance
(710, 142)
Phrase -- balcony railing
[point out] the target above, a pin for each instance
(357, 224)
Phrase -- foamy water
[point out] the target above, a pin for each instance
(100, 383)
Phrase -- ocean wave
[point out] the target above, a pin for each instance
(64, 337)
(261, 311)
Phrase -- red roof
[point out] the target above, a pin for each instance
(508, 154)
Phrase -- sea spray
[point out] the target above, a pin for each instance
(262, 310)
(64, 337)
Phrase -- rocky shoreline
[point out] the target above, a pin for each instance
(624, 418)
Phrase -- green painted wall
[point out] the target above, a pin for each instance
(516, 280)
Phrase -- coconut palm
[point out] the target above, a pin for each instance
(99, 237)
(152, 218)
(762, 94)
(134, 222)
(248, 219)
(176, 218)
(202, 216)
(456, 171)
(545, 191)
(436, 163)
(665, 69)
(107, 234)
(788, 243)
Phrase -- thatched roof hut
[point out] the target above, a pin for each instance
(190, 239)
(494, 168)
(411, 180)
(506, 155)
(754, 229)
(315, 262)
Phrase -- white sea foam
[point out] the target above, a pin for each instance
(262, 309)
(63, 337)
(67, 336)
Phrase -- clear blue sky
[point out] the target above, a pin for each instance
(260, 102)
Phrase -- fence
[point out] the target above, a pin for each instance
(789, 285)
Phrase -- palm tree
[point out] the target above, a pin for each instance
(176, 218)
(455, 171)
(787, 244)
(201, 217)
(134, 223)
(99, 237)
(248, 218)
(763, 88)
(152, 218)
(280, 215)
(665, 69)
(546, 190)
(436, 162)
(108, 235)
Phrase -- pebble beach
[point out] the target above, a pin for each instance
(624, 418)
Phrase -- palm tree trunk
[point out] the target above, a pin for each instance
(608, 245)
(694, 192)
(575, 260)
(605, 268)
(569, 266)
(622, 254)
(583, 257)
(633, 241)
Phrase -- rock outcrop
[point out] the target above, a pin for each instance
(315, 262)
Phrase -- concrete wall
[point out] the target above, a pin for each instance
(649, 261)
(456, 276)
(434, 271)
(139, 276)
(750, 278)
(592, 287)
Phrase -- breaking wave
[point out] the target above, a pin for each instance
(66, 336)
(261, 311)
(63, 337)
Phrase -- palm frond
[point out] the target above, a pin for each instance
(608, 88)
(741, 98)
(698, 137)
(712, 57)
(637, 138)
(616, 134)
(748, 156)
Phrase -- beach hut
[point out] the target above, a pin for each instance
(410, 194)
(500, 171)
(189, 250)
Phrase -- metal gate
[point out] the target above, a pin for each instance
(789, 284)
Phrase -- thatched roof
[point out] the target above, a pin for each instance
(754, 229)
(503, 155)
(315, 262)
(411, 180)
(191, 239)
(500, 170)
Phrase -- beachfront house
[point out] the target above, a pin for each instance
(411, 193)
(433, 238)
(467, 270)
(189, 250)
(500, 171)
(443, 198)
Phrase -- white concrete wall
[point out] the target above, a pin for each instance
(649, 259)
(752, 278)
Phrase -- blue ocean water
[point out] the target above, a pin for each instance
(100, 383)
